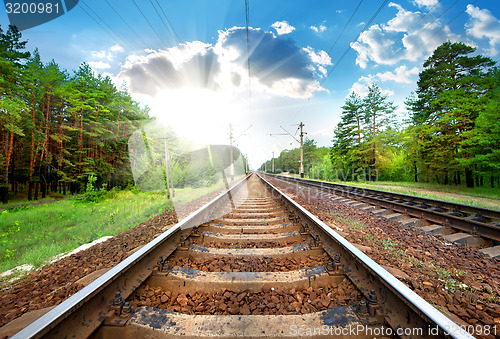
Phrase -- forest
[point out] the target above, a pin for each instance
(58, 128)
(450, 133)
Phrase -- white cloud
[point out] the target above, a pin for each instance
(401, 75)
(321, 58)
(483, 25)
(99, 54)
(319, 29)
(116, 48)
(282, 27)
(107, 54)
(360, 87)
(99, 65)
(393, 42)
(425, 3)
(278, 66)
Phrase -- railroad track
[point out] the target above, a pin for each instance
(250, 264)
(464, 224)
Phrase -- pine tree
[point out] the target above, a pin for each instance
(378, 116)
(452, 90)
(484, 140)
(347, 151)
(12, 108)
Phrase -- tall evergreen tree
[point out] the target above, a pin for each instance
(379, 114)
(12, 107)
(483, 141)
(452, 90)
(347, 150)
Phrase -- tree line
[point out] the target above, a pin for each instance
(451, 133)
(58, 128)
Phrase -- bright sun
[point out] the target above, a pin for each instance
(198, 114)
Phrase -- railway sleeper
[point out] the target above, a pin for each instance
(184, 280)
(284, 227)
(349, 296)
(155, 323)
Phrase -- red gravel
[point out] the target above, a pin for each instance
(454, 278)
(267, 301)
(225, 264)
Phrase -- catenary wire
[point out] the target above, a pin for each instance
(150, 25)
(247, 20)
(126, 23)
(110, 31)
(345, 52)
(163, 21)
(169, 23)
(345, 26)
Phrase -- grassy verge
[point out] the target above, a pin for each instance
(15, 202)
(34, 234)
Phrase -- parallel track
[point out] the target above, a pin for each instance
(251, 263)
(477, 221)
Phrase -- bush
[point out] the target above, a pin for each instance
(91, 194)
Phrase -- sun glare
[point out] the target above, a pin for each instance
(198, 114)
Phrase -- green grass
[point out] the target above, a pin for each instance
(15, 201)
(34, 234)
(350, 223)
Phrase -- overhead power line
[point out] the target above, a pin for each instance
(150, 25)
(423, 16)
(111, 32)
(427, 24)
(126, 23)
(345, 26)
(347, 50)
(169, 23)
(449, 22)
(162, 21)
(359, 35)
(247, 20)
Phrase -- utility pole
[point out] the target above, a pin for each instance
(168, 171)
(231, 140)
(302, 133)
(301, 125)
(273, 162)
(231, 166)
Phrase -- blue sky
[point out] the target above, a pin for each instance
(195, 77)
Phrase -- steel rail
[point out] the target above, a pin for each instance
(419, 313)
(89, 306)
(81, 314)
(412, 206)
